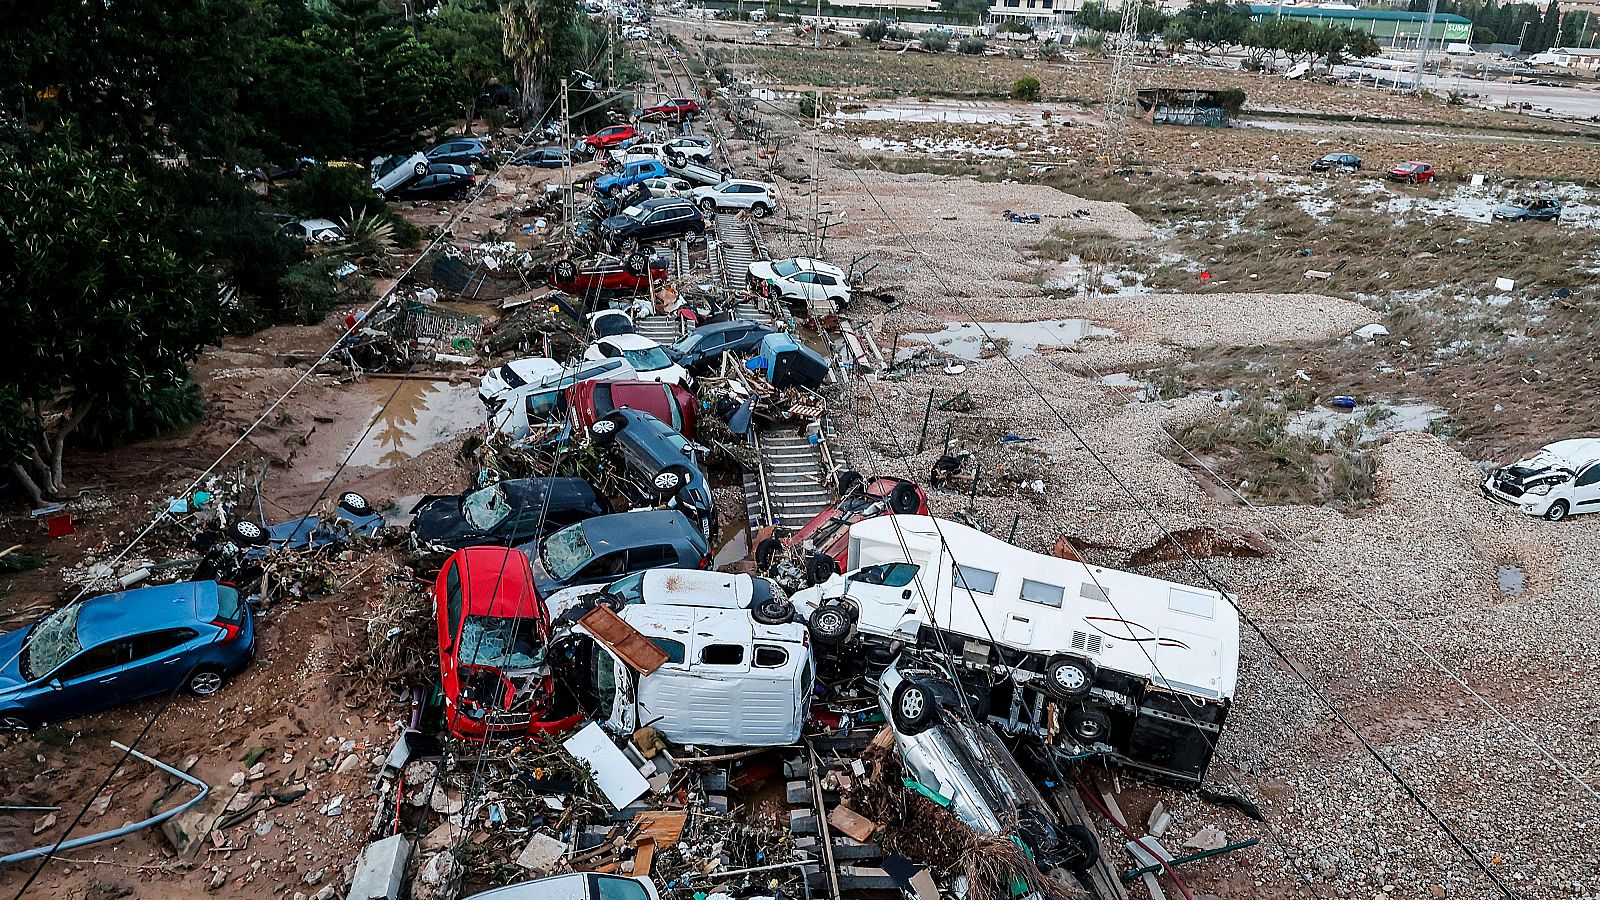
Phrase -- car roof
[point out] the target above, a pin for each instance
(126, 613)
(1574, 451)
(761, 184)
(534, 369)
(698, 588)
(629, 341)
(318, 223)
(661, 202)
(563, 492)
(807, 264)
(620, 530)
(497, 581)
(730, 325)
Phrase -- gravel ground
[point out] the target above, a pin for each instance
(1353, 607)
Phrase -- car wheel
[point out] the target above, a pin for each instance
(246, 533)
(709, 207)
(847, 482)
(1557, 511)
(773, 612)
(820, 567)
(631, 245)
(636, 265)
(766, 552)
(605, 430)
(905, 499)
(204, 681)
(566, 271)
(355, 504)
(669, 481)
(15, 723)
(759, 210)
(1079, 848)
(1068, 678)
(829, 624)
(1089, 725)
(913, 708)
(1411, 179)
(420, 169)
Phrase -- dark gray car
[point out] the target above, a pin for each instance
(660, 219)
(604, 548)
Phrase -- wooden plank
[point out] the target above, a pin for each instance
(852, 823)
(644, 858)
(639, 652)
(661, 827)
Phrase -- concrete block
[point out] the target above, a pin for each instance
(381, 869)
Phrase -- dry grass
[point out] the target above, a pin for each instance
(1252, 448)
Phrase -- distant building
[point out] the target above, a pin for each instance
(1391, 28)
(1568, 57)
(914, 5)
(1040, 15)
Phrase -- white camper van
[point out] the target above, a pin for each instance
(729, 680)
(1138, 666)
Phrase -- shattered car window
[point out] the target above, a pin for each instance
(486, 508)
(628, 590)
(648, 359)
(509, 644)
(53, 641)
(566, 551)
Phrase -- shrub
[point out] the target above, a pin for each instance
(1233, 101)
(972, 46)
(874, 31)
(1091, 43)
(935, 42)
(1025, 88)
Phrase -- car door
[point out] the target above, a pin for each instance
(885, 595)
(88, 682)
(159, 662)
(826, 286)
(1586, 489)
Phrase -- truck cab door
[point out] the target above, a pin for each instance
(888, 598)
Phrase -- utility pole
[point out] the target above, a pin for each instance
(1422, 43)
(566, 162)
(1522, 36)
(816, 29)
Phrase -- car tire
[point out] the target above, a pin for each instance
(830, 624)
(355, 504)
(1068, 678)
(636, 264)
(15, 723)
(605, 430)
(204, 681)
(246, 533)
(1078, 850)
(669, 481)
(420, 169)
(708, 207)
(766, 552)
(1557, 511)
(913, 708)
(760, 210)
(905, 499)
(566, 271)
(773, 612)
(847, 482)
(1089, 725)
(820, 567)
(1411, 179)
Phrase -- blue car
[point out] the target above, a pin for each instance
(123, 647)
(633, 173)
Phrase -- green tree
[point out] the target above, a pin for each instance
(1175, 36)
(935, 41)
(101, 307)
(539, 38)
(972, 46)
(874, 30)
(468, 35)
(1025, 88)
(1215, 24)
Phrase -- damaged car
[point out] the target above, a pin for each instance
(700, 351)
(494, 632)
(1528, 209)
(656, 465)
(590, 401)
(508, 512)
(538, 410)
(601, 549)
(1560, 480)
(818, 550)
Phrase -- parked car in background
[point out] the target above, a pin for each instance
(632, 173)
(1523, 209)
(543, 158)
(444, 181)
(1560, 480)
(605, 548)
(466, 151)
(118, 648)
(314, 231)
(579, 885)
(606, 274)
(590, 401)
(677, 109)
(647, 357)
(509, 512)
(687, 147)
(656, 465)
(392, 172)
(820, 549)
(1411, 173)
(700, 351)
(652, 220)
(493, 634)
(759, 197)
(609, 137)
(807, 286)
(667, 186)
(1337, 162)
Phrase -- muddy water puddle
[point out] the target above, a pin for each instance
(969, 341)
(732, 543)
(1513, 580)
(1372, 420)
(422, 415)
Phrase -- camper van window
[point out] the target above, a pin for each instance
(673, 649)
(888, 574)
(1094, 592)
(722, 655)
(770, 657)
(979, 581)
(612, 887)
(1043, 594)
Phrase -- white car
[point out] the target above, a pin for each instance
(391, 173)
(499, 381)
(635, 153)
(1561, 480)
(575, 886)
(805, 285)
(315, 231)
(645, 356)
(687, 147)
(736, 193)
(667, 186)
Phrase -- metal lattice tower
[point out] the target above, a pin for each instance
(1119, 91)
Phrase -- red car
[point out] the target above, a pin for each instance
(606, 138)
(675, 110)
(591, 401)
(1412, 173)
(493, 631)
(822, 544)
(608, 273)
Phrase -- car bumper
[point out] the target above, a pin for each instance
(1528, 504)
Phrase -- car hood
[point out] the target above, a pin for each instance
(10, 658)
(616, 223)
(439, 521)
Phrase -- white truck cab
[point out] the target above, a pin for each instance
(1144, 667)
(1561, 480)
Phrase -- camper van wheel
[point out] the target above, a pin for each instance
(766, 552)
(830, 624)
(355, 504)
(1068, 678)
(773, 612)
(1079, 849)
(246, 533)
(847, 482)
(905, 499)
(913, 707)
(604, 431)
(820, 567)
(1089, 725)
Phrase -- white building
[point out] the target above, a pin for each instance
(1040, 15)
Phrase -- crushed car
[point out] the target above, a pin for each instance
(509, 512)
(818, 551)
(603, 548)
(1560, 480)
(1528, 209)
(655, 464)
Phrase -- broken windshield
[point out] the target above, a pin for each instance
(509, 644)
(486, 508)
(566, 551)
(53, 641)
(647, 360)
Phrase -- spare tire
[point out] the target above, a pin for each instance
(670, 480)
(820, 567)
(1068, 678)
(905, 499)
(830, 624)
(566, 271)
(636, 264)
(355, 504)
(246, 533)
(847, 482)
(766, 552)
(913, 708)
(773, 612)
